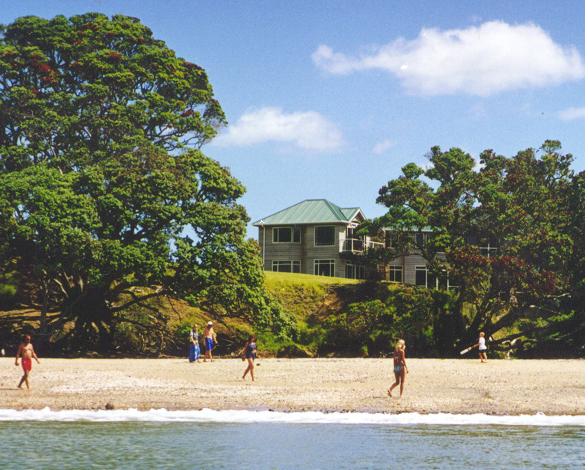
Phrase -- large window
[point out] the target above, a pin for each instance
(395, 273)
(324, 267)
(425, 278)
(286, 235)
(444, 281)
(286, 266)
(324, 236)
(421, 276)
(354, 271)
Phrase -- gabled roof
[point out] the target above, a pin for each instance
(350, 212)
(311, 211)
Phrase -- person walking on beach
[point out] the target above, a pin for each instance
(26, 353)
(482, 348)
(209, 341)
(194, 347)
(249, 353)
(400, 368)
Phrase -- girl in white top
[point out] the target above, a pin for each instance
(482, 347)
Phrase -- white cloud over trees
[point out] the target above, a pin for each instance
(307, 130)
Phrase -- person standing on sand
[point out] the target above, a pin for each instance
(209, 341)
(400, 368)
(194, 353)
(249, 353)
(482, 347)
(26, 352)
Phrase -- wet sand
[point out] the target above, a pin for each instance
(506, 387)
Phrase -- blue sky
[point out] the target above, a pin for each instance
(329, 99)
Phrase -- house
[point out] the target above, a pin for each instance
(411, 267)
(311, 237)
(316, 236)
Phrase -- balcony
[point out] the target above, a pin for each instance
(358, 245)
(353, 245)
(371, 244)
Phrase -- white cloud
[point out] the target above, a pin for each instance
(307, 130)
(571, 114)
(382, 147)
(480, 60)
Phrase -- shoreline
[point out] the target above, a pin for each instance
(455, 386)
(208, 416)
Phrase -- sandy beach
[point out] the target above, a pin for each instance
(554, 387)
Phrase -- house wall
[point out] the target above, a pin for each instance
(305, 251)
(409, 263)
(278, 251)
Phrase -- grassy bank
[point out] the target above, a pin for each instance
(303, 296)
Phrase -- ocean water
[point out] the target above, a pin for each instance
(217, 440)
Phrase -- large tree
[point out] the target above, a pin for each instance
(530, 208)
(106, 200)
(74, 91)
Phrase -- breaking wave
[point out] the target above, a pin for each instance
(307, 417)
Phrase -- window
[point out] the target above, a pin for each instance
(421, 276)
(324, 236)
(324, 267)
(488, 250)
(354, 271)
(395, 273)
(286, 266)
(452, 283)
(388, 239)
(420, 239)
(426, 278)
(431, 280)
(286, 235)
(443, 280)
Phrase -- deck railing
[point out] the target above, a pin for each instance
(371, 244)
(358, 245)
(353, 245)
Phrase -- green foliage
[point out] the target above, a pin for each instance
(530, 207)
(372, 327)
(77, 90)
(105, 200)
(8, 288)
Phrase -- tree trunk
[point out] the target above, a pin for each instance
(44, 308)
(93, 320)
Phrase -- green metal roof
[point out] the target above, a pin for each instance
(310, 211)
(349, 212)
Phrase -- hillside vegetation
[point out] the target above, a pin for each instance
(330, 317)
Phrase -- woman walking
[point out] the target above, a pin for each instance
(194, 351)
(400, 368)
(249, 353)
(482, 348)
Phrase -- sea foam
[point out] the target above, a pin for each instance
(307, 417)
